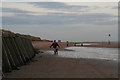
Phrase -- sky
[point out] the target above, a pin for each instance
(66, 21)
(60, 0)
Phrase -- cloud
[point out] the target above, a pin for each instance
(24, 7)
(54, 13)
(60, 0)
(79, 7)
(31, 9)
(60, 19)
(57, 5)
(14, 10)
(44, 8)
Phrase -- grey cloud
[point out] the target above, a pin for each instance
(54, 18)
(27, 19)
(56, 5)
(59, 19)
(14, 10)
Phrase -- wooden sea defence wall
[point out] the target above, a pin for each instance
(16, 51)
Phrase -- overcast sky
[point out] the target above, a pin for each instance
(72, 21)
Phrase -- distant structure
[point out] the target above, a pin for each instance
(109, 38)
(81, 44)
(67, 43)
(74, 44)
(59, 40)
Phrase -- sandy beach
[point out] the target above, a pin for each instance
(86, 31)
(46, 45)
(51, 66)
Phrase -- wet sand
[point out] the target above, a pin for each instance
(51, 66)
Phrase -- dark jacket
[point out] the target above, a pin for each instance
(54, 45)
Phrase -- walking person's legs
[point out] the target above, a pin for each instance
(55, 51)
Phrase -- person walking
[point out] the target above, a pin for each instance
(55, 45)
(67, 43)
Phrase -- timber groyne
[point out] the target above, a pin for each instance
(16, 51)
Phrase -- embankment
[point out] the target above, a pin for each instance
(16, 51)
